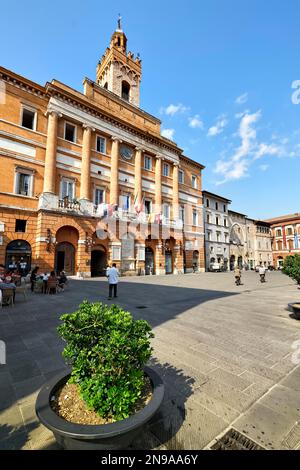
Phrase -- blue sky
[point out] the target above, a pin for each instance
(218, 73)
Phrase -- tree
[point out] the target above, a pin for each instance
(291, 267)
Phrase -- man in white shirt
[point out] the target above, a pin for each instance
(262, 273)
(113, 279)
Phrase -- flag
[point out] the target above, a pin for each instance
(284, 238)
(138, 207)
(135, 204)
(296, 241)
(158, 218)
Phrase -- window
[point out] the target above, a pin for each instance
(218, 236)
(100, 144)
(217, 206)
(148, 206)
(194, 182)
(217, 220)
(166, 210)
(226, 237)
(181, 213)
(209, 236)
(208, 218)
(23, 183)
(224, 208)
(67, 189)
(125, 91)
(279, 246)
(125, 202)
(225, 222)
(29, 118)
(116, 253)
(289, 231)
(20, 226)
(105, 85)
(291, 244)
(166, 169)
(195, 217)
(207, 202)
(70, 132)
(147, 163)
(181, 176)
(99, 196)
(278, 232)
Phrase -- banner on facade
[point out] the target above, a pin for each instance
(127, 248)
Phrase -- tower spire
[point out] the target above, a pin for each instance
(119, 23)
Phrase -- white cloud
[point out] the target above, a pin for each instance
(242, 99)
(168, 133)
(264, 167)
(173, 109)
(195, 122)
(267, 149)
(218, 128)
(237, 166)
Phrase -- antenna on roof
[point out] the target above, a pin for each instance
(119, 22)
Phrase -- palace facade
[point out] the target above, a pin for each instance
(87, 178)
(285, 237)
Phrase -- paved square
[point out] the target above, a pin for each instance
(225, 353)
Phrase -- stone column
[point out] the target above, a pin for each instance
(158, 192)
(86, 163)
(51, 148)
(138, 176)
(114, 171)
(176, 191)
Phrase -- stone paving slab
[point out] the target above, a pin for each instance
(224, 352)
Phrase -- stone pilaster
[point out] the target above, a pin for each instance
(114, 171)
(175, 192)
(86, 163)
(138, 175)
(158, 191)
(51, 149)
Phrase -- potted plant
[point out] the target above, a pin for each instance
(109, 394)
(291, 268)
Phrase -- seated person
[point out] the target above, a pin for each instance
(62, 280)
(7, 284)
(2, 271)
(52, 281)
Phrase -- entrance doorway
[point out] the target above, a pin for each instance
(232, 262)
(18, 256)
(149, 261)
(195, 260)
(169, 262)
(65, 258)
(98, 262)
(240, 262)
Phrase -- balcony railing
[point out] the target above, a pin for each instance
(70, 204)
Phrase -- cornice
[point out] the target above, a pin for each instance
(23, 83)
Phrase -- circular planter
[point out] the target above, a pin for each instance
(112, 436)
(295, 307)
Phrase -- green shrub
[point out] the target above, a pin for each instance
(291, 267)
(107, 350)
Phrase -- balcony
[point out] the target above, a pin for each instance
(69, 204)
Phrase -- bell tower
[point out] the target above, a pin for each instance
(118, 71)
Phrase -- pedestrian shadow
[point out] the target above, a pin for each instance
(164, 426)
(16, 437)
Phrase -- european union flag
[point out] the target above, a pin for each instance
(296, 241)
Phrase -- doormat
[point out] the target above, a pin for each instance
(234, 440)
